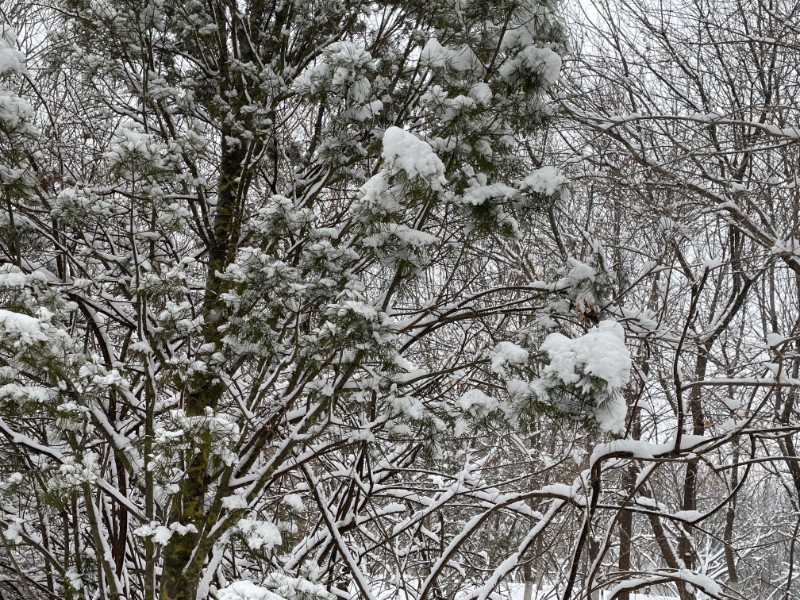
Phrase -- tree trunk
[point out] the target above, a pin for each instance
(181, 569)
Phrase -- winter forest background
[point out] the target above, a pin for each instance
(399, 300)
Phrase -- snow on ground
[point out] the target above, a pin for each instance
(245, 590)
(516, 591)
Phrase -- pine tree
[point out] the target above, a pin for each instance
(257, 258)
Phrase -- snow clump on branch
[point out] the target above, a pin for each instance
(403, 151)
(11, 59)
(586, 374)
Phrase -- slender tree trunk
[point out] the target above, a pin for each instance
(730, 514)
(527, 574)
(626, 516)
